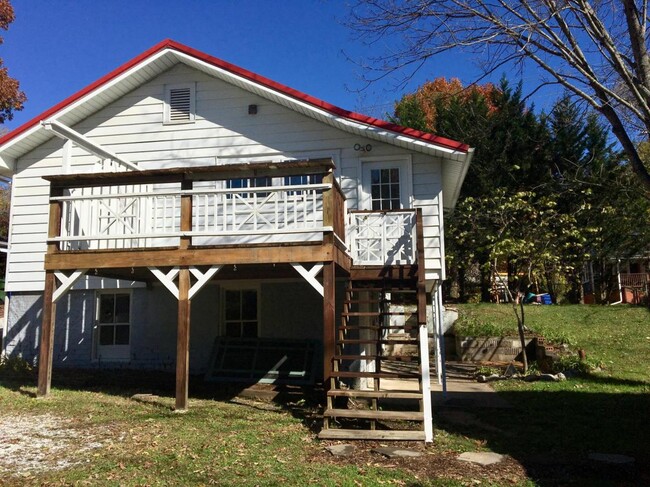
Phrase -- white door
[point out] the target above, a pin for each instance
(113, 326)
(386, 185)
(384, 237)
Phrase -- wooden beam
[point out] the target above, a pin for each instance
(47, 336)
(329, 321)
(65, 132)
(54, 222)
(186, 215)
(206, 173)
(107, 259)
(183, 341)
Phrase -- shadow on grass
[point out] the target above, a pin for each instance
(552, 431)
(303, 403)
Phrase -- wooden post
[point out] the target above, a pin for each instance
(48, 320)
(186, 214)
(329, 321)
(47, 336)
(183, 340)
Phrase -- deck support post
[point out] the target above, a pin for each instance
(329, 321)
(183, 340)
(47, 336)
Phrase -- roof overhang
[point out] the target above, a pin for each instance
(167, 54)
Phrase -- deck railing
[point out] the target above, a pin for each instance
(635, 280)
(149, 212)
(383, 237)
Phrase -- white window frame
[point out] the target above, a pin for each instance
(385, 162)
(167, 107)
(119, 353)
(240, 286)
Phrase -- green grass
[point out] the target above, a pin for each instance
(225, 441)
(618, 337)
(604, 411)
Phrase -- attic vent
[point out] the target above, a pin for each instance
(179, 106)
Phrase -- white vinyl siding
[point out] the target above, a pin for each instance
(133, 127)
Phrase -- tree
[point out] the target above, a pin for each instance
(597, 51)
(11, 97)
(512, 154)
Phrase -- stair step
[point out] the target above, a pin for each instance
(375, 375)
(374, 414)
(377, 327)
(352, 434)
(353, 341)
(364, 289)
(378, 313)
(365, 301)
(387, 358)
(374, 394)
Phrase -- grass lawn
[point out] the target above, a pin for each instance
(605, 411)
(97, 435)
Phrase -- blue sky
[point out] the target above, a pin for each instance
(56, 47)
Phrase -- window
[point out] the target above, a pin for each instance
(386, 183)
(241, 320)
(385, 189)
(179, 103)
(260, 182)
(302, 179)
(113, 325)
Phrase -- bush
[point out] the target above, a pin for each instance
(16, 367)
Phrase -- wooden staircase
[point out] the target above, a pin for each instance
(376, 388)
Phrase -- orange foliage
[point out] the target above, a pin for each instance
(441, 89)
(11, 98)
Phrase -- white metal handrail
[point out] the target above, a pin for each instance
(383, 237)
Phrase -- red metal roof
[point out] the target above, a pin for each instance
(298, 95)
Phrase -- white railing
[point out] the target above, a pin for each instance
(382, 237)
(139, 216)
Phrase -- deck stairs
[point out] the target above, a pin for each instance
(376, 388)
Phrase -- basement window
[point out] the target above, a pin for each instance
(180, 105)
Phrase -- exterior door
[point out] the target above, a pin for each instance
(384, 237)
(113, 326)
(386, 185)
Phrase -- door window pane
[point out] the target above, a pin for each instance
(122, 335)
(384, 189)
(249, 305)
(107, 308)
(114, 319)
(122, 308)
(106, 334)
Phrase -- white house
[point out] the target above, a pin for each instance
(286, 225)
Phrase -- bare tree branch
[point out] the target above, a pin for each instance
(597, 50)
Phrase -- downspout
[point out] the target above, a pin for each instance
(618, 279)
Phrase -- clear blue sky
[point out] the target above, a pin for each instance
(56, 47)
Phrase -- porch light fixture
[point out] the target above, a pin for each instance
(252, 109)
(363, 148)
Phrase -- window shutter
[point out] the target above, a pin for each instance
(180, 104)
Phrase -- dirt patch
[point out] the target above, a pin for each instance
(31, 444)
(431, 465)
